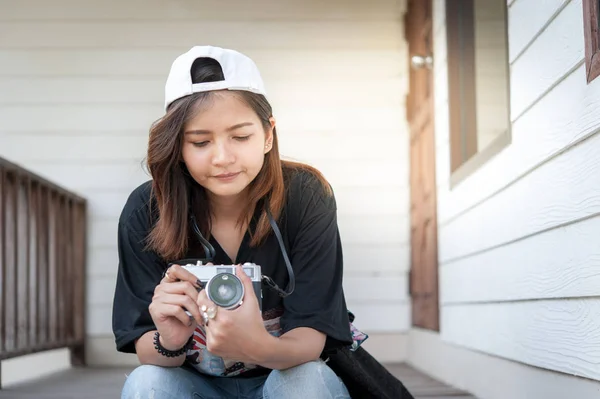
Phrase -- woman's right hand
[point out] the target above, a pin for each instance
(176, 293)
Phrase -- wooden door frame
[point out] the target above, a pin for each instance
(423, 280)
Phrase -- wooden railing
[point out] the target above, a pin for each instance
(42, 266)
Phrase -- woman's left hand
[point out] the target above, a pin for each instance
(235, 334)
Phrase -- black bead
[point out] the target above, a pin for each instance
(168, 353)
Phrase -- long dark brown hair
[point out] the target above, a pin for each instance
(175, 191)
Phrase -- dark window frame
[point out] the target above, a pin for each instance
(460, 38)
(591, 33)
(465, 158)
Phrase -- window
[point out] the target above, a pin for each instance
(591, 24)
(478, 83)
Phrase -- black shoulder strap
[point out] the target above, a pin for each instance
(292, 279)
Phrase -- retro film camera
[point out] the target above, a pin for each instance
(222, 286)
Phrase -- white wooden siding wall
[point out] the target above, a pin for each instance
(519, 253)
(80, 83)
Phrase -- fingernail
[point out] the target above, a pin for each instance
(199, 284)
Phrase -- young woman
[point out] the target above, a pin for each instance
(217, 176)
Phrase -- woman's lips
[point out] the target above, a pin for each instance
(227, 176)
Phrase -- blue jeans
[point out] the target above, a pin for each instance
(314, 380)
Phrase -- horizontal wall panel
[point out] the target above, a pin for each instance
(381, 317)
(373, 230)
(376, 260)
(559, 192)
(366, 174)
(526, 19)
(182, 35)
(554, 53)
(99, 321)
(93, 177)
(384, 289)
(557, 335)
(101, 289)
(256, 11)
(345, 145)
(102, 262)
(84, 148)
(560, 263)
(391, 200)
(81, 118)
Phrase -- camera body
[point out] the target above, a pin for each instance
(223, 287)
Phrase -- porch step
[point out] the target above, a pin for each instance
(422, 386)
(96, 383)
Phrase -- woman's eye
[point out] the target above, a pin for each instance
(242, 138)
(200, 143)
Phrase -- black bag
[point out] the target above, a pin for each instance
(364, 376)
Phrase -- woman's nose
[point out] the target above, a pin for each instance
(222, 155)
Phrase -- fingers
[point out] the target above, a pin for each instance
(177, 273)
(204, 304)
(181, 287)
(239, 271)
(164, 310)
(183, 301)
(203, 300)
(248, 288)
(182, 294)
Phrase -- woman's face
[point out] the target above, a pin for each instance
(224, 145)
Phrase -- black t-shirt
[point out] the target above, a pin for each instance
(310, 232)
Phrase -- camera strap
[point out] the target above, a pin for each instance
(209, 252)
(292, 279)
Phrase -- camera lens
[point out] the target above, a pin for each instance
(225, 290)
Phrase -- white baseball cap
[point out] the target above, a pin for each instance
(240, 72)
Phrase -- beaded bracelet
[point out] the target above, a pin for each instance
(168, 353)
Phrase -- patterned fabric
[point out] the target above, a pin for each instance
(358, 337)
(205, 362)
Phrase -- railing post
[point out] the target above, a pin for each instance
(42, 266)
(79, 283)
(3, 249)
